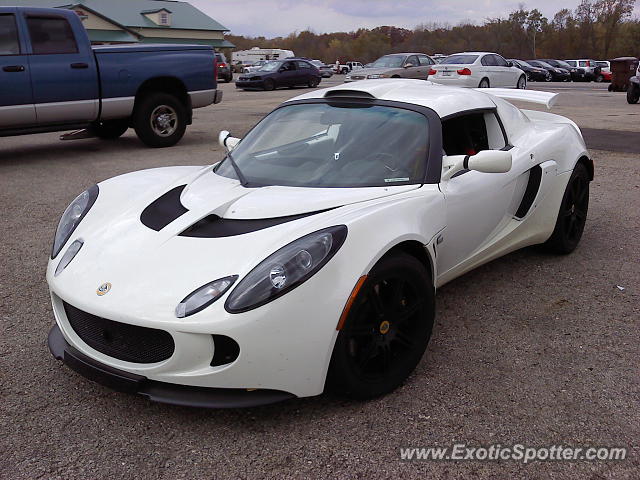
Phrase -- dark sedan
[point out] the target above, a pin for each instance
(557, 74)
(576, 73)
(281, 73)
(535, 74)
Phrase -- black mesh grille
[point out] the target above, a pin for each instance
(130, 343)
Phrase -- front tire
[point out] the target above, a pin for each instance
(110, 129)
(633, 94)
(313, 82)
(572, 215)
(386, 331)
(522, 83)
(269, 84)
(160, 120)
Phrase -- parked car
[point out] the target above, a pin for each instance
(556, 74)
(325, 277)
(535, 74)
(561, 64)
(586, 69)
(478, 69)
(347, 67)
(605, 71)
(54, 80)
(396, 65)
(326, 71)
(281, 73)
(224, 69)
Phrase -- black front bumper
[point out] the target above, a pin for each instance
(163, 392)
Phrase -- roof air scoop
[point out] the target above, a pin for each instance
(348, 94)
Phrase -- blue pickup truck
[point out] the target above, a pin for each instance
(52, 79)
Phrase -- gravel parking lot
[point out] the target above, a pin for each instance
(532, 349)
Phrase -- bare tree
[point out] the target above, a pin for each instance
(611, 13)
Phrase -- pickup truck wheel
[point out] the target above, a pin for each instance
(110, 129)
(160, 120)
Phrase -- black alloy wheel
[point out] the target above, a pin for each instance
(573, 213)
(386, 331)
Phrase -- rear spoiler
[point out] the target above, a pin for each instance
(532, 96)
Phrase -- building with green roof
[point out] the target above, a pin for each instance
(140, 21)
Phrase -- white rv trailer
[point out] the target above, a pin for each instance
(256, 53)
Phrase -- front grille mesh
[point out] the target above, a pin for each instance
(129, 343)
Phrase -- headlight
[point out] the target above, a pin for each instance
(375, 75)
(72, 216)
(287, 268)
(204, 296)
(69, 255)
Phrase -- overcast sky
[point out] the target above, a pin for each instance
(280, 17)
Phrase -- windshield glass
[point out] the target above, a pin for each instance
(389, 61)
(269, 66)
(459, 59)
(322, 145)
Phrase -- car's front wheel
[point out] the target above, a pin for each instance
(573, 213)
(160, 119)
(386, 331)
(269, 84)
(313, 82)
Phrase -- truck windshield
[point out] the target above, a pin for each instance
(322, 145)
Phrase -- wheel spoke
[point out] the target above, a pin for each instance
(369, 354)
(385, 351)
(376, 302)
(360, 330)
(408, 312)
(403, 339)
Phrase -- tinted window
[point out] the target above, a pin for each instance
(388, 61)
(51, 35)
(303, 65)
(9, 44)
(488, 61)
(501, 62)
(289, 65)
(459, 59)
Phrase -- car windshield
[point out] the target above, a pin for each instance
(459, 59)
(269, 66)
(520, 63)
(323, 145)
(562, 64)
(389, 61)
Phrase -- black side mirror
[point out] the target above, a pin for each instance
(509, 64)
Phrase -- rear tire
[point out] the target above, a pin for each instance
(110, 129)
(633, 94)
(484, 83)
(572, 215)
(387, 329)
(160, 120)
(313, 82)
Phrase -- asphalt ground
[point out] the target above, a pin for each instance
(530, 349)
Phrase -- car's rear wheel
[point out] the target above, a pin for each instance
(573, 213)
(160, 119)
(269, 84)
(522, 83)
(313, 82)
(484, 83)
(633, 94)
(386, 331)
(110, 129)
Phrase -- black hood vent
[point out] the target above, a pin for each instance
(164, 210)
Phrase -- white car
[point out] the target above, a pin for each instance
(478, 69)
(310, 256)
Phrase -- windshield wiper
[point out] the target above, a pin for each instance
(241, 177)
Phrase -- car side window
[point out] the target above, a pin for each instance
(424, 60)
(471, 133)
(302, 65)
(413, 60)
(9, 43)
(500, 62)
(51, 35)
(289, 66)
(487, 61)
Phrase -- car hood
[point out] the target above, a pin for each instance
(213, 194)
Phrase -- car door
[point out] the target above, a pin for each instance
(425, 63)
(288, 74)
(489, 70)
(304, 71)
(415, 70)
(508, 75)
(478, 204)
(64, 76)
(16, 99)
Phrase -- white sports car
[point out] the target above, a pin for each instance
(310, 256)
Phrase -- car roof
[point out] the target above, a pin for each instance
(442, 99)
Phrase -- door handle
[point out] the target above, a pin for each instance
(13, 68)
(80, 65)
